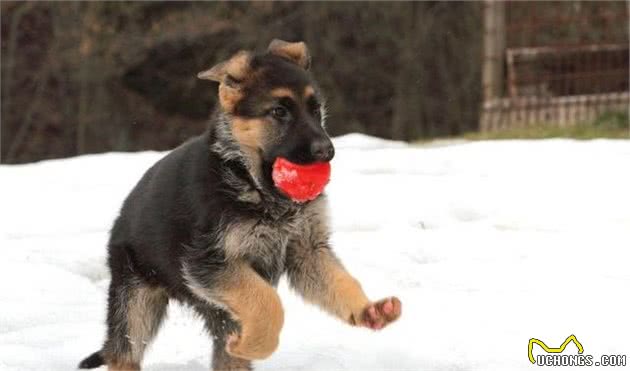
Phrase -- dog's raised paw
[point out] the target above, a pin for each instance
(381, 313)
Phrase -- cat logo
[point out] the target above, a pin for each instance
(554, 357)
(560, 349)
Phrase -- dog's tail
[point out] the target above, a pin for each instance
(93, 361)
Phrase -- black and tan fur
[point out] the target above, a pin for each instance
(205, 225)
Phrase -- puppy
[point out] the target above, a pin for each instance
(207, 227)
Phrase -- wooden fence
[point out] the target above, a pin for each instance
(553, 63)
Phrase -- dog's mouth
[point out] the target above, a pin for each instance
(300, 182)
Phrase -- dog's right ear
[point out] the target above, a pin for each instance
(231, 72)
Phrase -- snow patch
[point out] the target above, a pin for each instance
(487, 244)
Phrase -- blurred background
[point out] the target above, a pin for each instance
(89, 77)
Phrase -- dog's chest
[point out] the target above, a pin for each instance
(263, 243)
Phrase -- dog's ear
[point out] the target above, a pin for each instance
(230, 72)
(230, 75)
(296, 52)
(216, 73)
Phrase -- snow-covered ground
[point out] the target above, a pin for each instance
(487, 244)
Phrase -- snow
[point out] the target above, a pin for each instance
(487, 244)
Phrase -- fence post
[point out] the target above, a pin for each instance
(493, 56)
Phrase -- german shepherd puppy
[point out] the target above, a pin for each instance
(207, 227)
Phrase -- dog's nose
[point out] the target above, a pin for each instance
(322, 150)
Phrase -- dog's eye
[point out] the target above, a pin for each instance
(279, 112)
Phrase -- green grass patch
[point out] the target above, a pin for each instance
(607, 125)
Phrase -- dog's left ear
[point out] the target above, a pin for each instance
(295, 52)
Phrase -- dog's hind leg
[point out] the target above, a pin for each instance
(135, 312)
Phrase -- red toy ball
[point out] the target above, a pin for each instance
(300, 182)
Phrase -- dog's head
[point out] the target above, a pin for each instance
(273, 105)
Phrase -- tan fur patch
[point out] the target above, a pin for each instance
(251, 135)
(308, 91)
(238, 65)
(229, 97)
(256, 305)
(343, 295)
(250, 132)
(283, 93)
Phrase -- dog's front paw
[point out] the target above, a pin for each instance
(379, 314)
(251, 348)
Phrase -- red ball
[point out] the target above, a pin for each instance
(299, 182)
